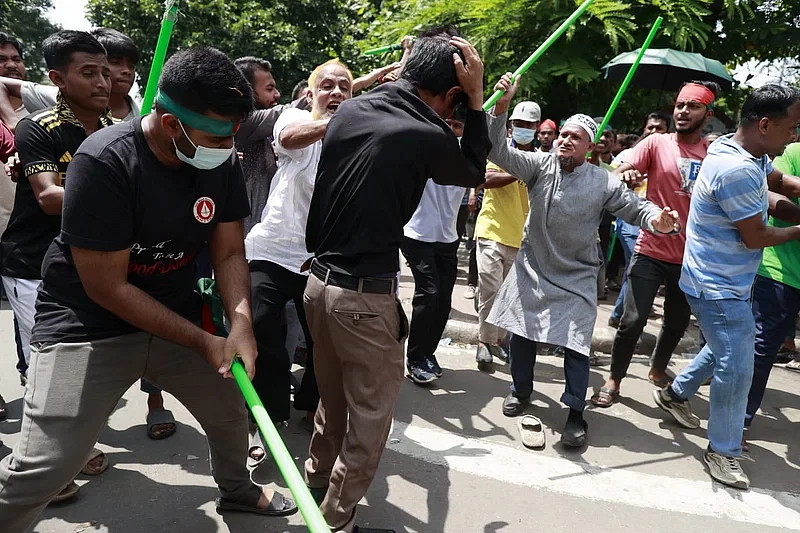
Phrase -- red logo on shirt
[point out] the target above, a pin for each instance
(204, 209)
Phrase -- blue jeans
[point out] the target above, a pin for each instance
(774, 307)
(522, 353)
(626, 235)
(729, 330)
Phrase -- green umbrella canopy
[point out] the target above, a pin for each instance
(667, 69)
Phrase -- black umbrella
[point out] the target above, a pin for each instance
(667, 69)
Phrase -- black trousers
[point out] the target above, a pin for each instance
(271, 287)
(645, 276)
(435, 267)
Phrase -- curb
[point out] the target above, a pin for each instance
(460, 331)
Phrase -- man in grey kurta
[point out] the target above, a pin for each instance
(550, 294)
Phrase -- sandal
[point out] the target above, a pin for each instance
(279, 506)
(594, 360)
(88, 471)
(160, 417)
(605, 397)
(67, 493)
(531, 431)
(785, 355)
(794, 365)
(663, 382)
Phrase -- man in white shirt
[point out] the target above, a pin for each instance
(430, 245)
(276, 246)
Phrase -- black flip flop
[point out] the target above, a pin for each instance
(279, 506)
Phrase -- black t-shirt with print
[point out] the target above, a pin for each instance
(119, 196)
(45, 143)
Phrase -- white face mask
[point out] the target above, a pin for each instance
(204, 158)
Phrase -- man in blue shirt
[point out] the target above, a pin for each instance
(726, 233)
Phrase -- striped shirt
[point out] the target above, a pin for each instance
(731, 186)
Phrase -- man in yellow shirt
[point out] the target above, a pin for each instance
(499, 232)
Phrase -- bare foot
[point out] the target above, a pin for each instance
(659, 378)
(612, 383)
(266, 498)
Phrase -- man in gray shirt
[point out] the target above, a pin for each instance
(550, 293)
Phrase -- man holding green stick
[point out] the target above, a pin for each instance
(551, 297)
(117, 302)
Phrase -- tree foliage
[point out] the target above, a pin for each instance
(569, 77)
(295, 35)
(26, 21)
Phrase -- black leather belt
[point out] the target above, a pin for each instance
(353, 283)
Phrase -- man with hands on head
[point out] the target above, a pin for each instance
(117, 301)
(551, 296)
(379, 151)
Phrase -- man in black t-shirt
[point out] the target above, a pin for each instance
(117, 301)
(46, 143)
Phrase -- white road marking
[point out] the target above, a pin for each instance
(509, 465)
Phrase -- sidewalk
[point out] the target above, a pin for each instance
(462, 328)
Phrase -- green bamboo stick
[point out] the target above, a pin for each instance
(539, 52)
(308, 507)
(383, 49)
(629, 77)
(167, 22)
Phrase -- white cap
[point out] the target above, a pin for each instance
(527, 111)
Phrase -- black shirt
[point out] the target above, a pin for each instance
(46, 142)
(379, 150)
(120, 196)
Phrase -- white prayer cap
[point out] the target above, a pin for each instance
(584, 122)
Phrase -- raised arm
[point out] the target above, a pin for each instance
(368, 80)
(301, 134)
(523, 165)
(465, 165)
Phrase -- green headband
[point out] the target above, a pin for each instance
(214, 126)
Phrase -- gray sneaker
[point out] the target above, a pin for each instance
(681, 411)
(726, 470)
(484, 358)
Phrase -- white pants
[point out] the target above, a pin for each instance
(494, 262)
(22, 297)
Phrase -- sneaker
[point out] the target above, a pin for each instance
(498, 351)
(432, 366)
(574, 433)
(484, 358)
(726, 470)
(513, 406)
(421, 375)
(681, 411)
(470, 292)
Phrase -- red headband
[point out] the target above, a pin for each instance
(697, 93)
(548, 123)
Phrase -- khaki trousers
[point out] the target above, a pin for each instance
(72, 390)
(494, 262)
(358, 359)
